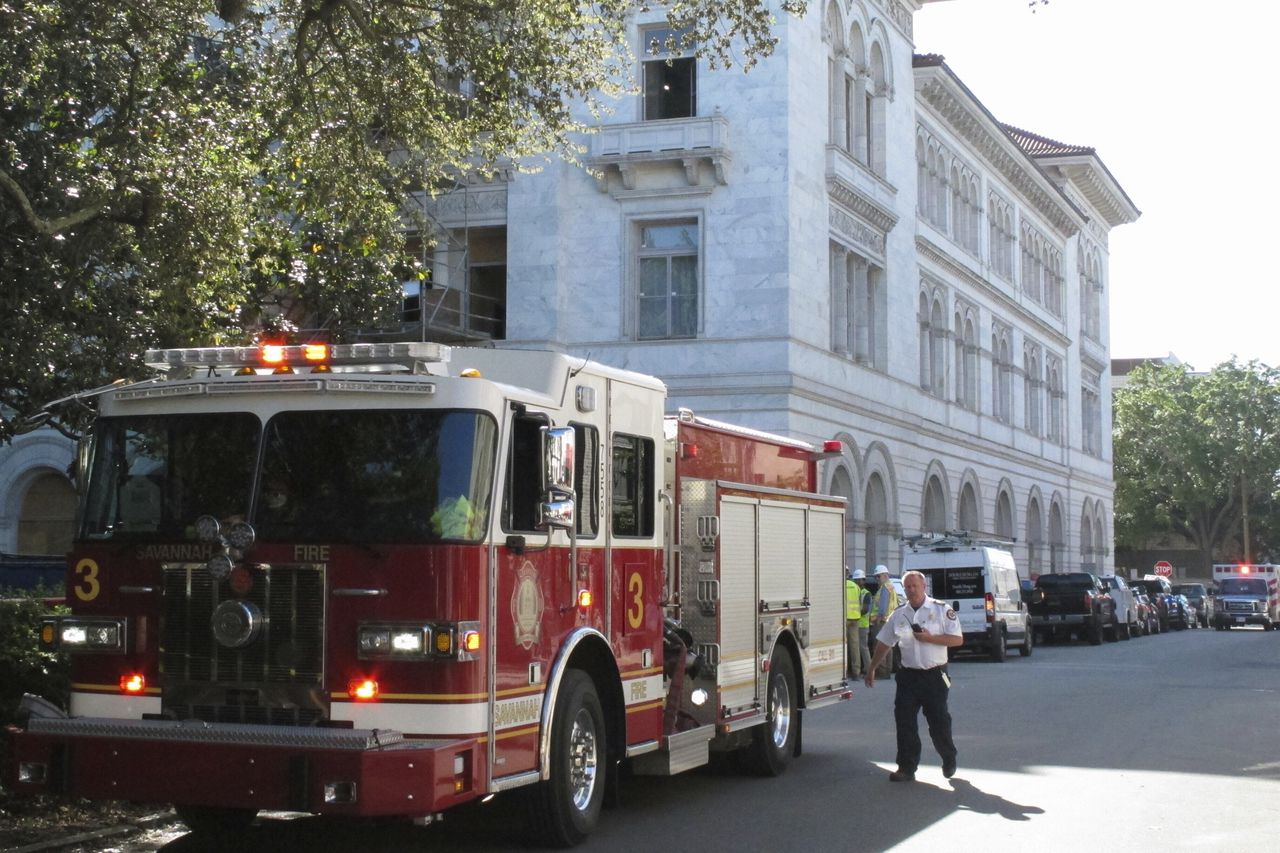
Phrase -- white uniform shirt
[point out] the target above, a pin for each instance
(933, 616)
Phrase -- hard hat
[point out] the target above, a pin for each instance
(858, 574)
(882, 570)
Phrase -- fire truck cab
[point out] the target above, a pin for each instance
(388, 579)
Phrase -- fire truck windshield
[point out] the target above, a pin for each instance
(379, 476)
(152, 476)
(382, 476)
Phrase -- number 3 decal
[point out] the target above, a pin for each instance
(88, 588)
(635, 611)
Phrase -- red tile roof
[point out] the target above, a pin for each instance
(1035, 145)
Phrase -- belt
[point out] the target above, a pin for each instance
(923, 668)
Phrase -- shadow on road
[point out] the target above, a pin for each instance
(974, 799)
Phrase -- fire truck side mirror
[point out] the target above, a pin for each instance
(558, 511)
(557, 460)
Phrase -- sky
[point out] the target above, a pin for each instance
(1174, 98)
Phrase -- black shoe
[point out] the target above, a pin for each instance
(949, 768)
(902, 776)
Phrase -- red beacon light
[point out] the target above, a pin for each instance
(1244, 570)
(362, 689)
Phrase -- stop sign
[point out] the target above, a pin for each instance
(1164, 568)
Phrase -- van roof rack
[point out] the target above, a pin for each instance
(950, 540)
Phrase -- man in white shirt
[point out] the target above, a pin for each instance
(924, 629)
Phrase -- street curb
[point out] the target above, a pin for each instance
(119, 829)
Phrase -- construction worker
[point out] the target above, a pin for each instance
(852, 616)
(864, 622)
(882, 606)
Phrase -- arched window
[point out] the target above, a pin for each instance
(876, 508)
(1087, 563)
(1035, 537)
(842, 486)
(47, 522)
(1032, 385)
(922, 318)
(1056, 538)
(934, 515)
(938, 349)
(969, 517)
(875, 108)
(1004, 516)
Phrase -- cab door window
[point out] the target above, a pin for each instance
(523, 491)
(633, 482)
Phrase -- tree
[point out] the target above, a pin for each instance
(174, 171)
(1193, 453)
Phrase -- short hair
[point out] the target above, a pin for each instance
(917, 574)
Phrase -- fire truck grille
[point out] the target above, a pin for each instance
(276, 677)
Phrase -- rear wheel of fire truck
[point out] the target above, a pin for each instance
(211, 822)
(565, 808)
(774, 742)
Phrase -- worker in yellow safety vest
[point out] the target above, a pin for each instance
(882, 605)
(852, 618)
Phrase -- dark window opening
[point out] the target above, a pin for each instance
(523, 492)
(633, 480)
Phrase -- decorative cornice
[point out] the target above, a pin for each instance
(900, 14)
(844, 193)
(963, 113)
(937, 255)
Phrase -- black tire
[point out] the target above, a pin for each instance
(1095, 632)
(1125, 631)
(999, 644)
(564, 809)
(211, 822)
(773, 743)
(1028, 643)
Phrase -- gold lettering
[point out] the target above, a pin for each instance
(311, 553)
(639, 690)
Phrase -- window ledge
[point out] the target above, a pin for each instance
(690, 142)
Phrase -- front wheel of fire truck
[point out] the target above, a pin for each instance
(774, 742)
(565, 808)
(210, 822)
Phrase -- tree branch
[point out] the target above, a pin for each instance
(42, 226)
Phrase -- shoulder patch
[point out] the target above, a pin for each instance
(951, 614)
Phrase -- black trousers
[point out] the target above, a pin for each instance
(921, 689)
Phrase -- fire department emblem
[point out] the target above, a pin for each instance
(527, 605)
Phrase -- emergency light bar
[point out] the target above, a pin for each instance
(406, 354)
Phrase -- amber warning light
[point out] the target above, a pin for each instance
(133, 683)
(362, 689)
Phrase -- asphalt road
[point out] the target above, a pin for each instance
(1167, 742)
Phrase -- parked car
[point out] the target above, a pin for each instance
(1180, 615)
(1199, 598)
(1159, 591)
(1147, 616)
(1126, 616)
(1074, 602)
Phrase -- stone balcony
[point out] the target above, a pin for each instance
(627, 149)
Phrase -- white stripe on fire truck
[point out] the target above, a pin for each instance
(644, 689)
(118, 706)
(468, 719)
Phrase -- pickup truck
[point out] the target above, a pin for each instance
(1073, 602)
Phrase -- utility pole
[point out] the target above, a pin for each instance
(1244, 514)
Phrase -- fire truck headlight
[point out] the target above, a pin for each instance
(208, 530)
(241, 536)
(84, 635)
(408, 642)
(220, 566)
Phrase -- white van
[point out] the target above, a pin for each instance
(980, 582)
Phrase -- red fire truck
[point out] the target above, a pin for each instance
(388, 579)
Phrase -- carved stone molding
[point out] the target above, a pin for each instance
(860, 234)
(1028, 319)
(900, 14)
(848, 196)
(980, 130)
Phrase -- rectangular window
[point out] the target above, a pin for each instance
(668, 281)
(670, 74)
(633, 480)
(523, 492)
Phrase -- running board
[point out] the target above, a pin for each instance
(679, 752)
